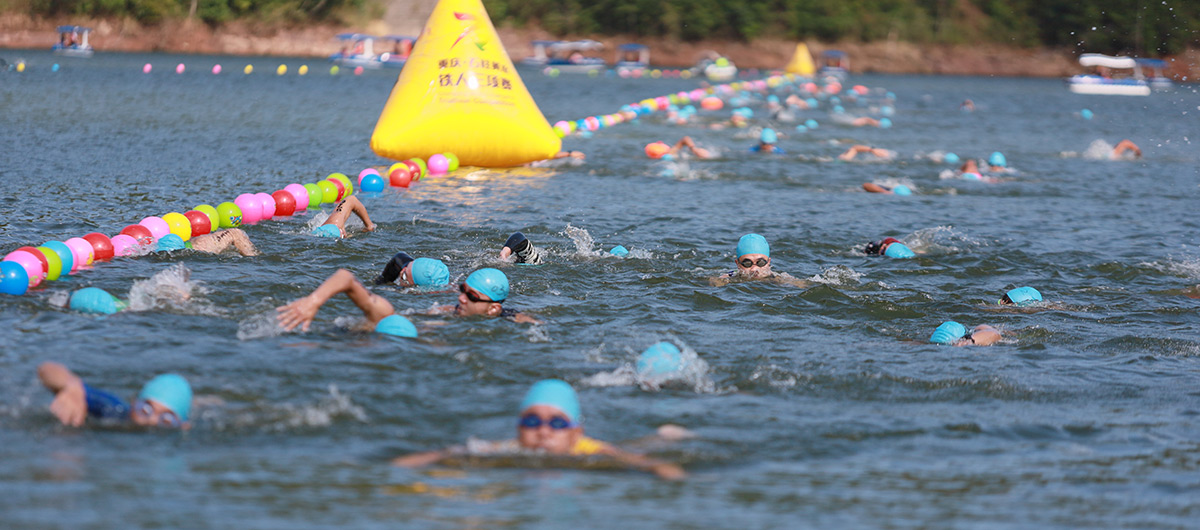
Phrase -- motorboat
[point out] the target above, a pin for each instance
(1157, 79)
(835, 64)
(73, 42)
(1113, 76)
(568, 57)
(632, 58)
(401, 48)
(541, 55)
(357, 50)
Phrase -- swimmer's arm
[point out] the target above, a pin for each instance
(787, 279)
(719, 281)
(664, 470)
(361, 212)
(70, 398)
(982, 335)
(427, 458)
(301, 312)
(522, 318)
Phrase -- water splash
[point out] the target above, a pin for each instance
(1098, 150)
(170, 289)
(278, 417)
(941, 240)
(692, 374)
(837, 275)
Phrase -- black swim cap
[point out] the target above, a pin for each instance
(515, 242)
(391, 271)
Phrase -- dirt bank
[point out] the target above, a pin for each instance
(20, 31)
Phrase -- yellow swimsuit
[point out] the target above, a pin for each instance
(588, 446)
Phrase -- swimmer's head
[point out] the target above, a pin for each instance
(482, 293)
(550, 418)
(327, 231)
(396, 326)
(429, 272)
(950, 158)
(619, 251)
(768, 136)
(1021, 296)
(753, 256)
(753, 244)
(394, 269)
(899, 250)
(878, 247)
(997, 159)
(96, 301)
(170, 242)
(948, 332)
(165, 400)
(660, 361)
(656, 150)
(901, 189)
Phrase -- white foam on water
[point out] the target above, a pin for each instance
(278, 417)
(692, 374)
(173, 289)
(837, 275)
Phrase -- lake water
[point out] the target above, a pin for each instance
(820, 406)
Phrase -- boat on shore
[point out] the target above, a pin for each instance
(1111, 76)
(401, 48)
(632, 58)
(73, 42)
(835, 64)
(568, 57)
(1157, 79)
(716, 68)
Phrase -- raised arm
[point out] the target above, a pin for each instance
(361, 212)
(302, 311)
(70, 398)
(664, 470)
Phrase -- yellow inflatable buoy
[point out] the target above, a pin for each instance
(248, 69)
(303, 69)
(281, 70)
(801, 63)
(460, 92)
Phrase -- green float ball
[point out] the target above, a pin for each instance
(214, 219)
(230, 215)
(329, 191)
(315, 196)
(345, 182)
(452, 159)
(421, 164)
(53, 263)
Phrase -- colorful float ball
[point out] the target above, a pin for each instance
(102, 249)
(329, 191)
(372, 184)
(216, 69)
(712, 103)
(339, 188)
(365, 172)
(420, 164)
(413, 169)
(179, 225)
(250, 208)
(124, 245)
(341, 177)
(199, 221)
(14, 279)
(29, 262)
(146, 68)
(157, 226)
(37, 254)
(65, 255)
(268, 205)
(300, 194)
(452, 159)
(83, 252)
(438, 165)
(400, 177)
(316, 195)
(140, 233)
(285, 203)
(53, 263)
(229, 215)
(214, 219)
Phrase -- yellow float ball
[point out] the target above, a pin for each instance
(303, 69)
(281, 70)
(179, 225)
(249, 68)
(329, 191)
(333, 70)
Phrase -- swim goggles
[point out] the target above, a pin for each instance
(761, 262)
(533, 421)
(462, 287)
(166, 419)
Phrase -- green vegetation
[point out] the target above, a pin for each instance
(213, 12)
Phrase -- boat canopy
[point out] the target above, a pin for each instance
(73, 29)
(833, 54)
(1097, 59)
(576, 45)
(632, 47)
(355, 36)
(1152, 63)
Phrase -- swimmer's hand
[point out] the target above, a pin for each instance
(522, 318)
(419, 459)
(719, 281)
(70, 404)
(370, 227)
(298, 313)
(669, 471)
(674, 433)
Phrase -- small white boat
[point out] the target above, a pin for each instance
(73, 42)
(568, 57)
(357, 50)
(717, 68)
(401, 48)
(1103, 83)
(1157, 79)
(835, 65)
(540, 54)
(632, 58)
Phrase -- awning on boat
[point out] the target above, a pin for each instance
(1097, 59)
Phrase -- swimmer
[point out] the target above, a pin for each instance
(1020, 297)
(955, 334)
(406, 271)
(737, 120)
(797, 102)
(967, 106)
(483, 294)
(1125, 150)
(754, 263)
(866, 120)
(376, 309)
(877, 153)
(997, 163)
(890, 247)
(214, 243)
(969, 170)
(335, 225)
(165, 401)
(898, 189)
(550, 423)
(660, 150)
(766, 142)
(521, 250)
(561, 158)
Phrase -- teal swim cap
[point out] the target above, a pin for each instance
(772, 98)
(768, 136)
(997, 159)
(396, 326)
(172, 391)
(753, 244)
(950, 158)
(884, 123)
(901, 189)
(948, 332)
(327, 231)
(170, 242)
(660, 360)
(490, 282)
(555, 393)
(619, 251)
(1023, 296)
(429, 272)
(811, 123)
(899, 250)
(96, 300)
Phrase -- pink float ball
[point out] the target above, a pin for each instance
(216, 69)
(358, 70)
(438, 165)
(124, 245)
(29, 262)
(83, 253)
(157, 226)
(179, 68)
(250, 206)
(300, 193)
(365, 172)
(146, 69)
(268, 205)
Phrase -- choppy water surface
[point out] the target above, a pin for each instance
(819, 406)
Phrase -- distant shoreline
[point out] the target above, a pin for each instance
(23, 32)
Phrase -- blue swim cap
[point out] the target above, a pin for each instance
(1085, 114)
(95, 300)
(170, 242)
(801, 128)
(555, 393)
(491, 282)
(971, 175)
(753, 244)
(429, 272)
(948, 332)
(667, 156)
(885, 123)
(812, 102)
(887, 111)
(396, 326)
(950, 158)
(1023, 296)
(619, 251)
(837, 109)
(901, 189)
(997, 159)
(660, 360)
(810, 123)
(172, 391)
(768, 136)
(899, 250)
(327, 231)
